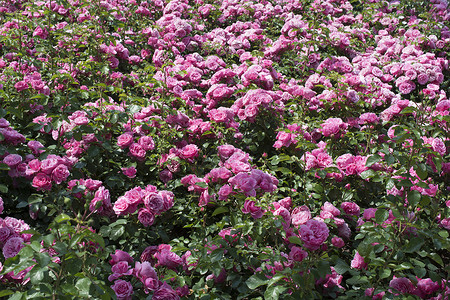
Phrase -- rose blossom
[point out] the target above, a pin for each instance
(251, 208)
(42, 182)
(125, 140)
(154, 202)
(48, 164)
(358, 262)
(350, 208)
(146, 217)
(12, 246)
(189, 152)
(1, 205)
(168, 259)
(165, 292)
(123, 289)
(60, 173)
(337, 242)
(297, 254)
(5, 233)
(300, 215)
(147, 275)
(137, 151)
(129, 172)
(12, 160)
(402, 284)
(120, 256)
(147, 143)
(313, 233)
(123, 206)
(121, 268)
(36, 147)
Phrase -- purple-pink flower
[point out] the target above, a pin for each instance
(313, 234)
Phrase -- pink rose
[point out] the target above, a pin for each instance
(165, 292)
(5, 233)
(350, 208)
(189, 152)
(402, 285)
(121, 268)
(300, 215)
(358, 262)
(333, 127)
(36, 147)
(368, 118)
(245, 183)
(21, 85)
(337, 242)
(12, 247)
(154, 202)
(12, 160)
(125, 140)
(147, 275)
(147, 143)
(146, 217)
(123, 289)
(369, 213)
(1, 205)
(120, 256)
(225, 151)
(218, 115)
(137, 151)
(167, 197)
(123, 206)
(48, 164)
(251, 208)
(129, 172)
(427, 286)
(313, 233)
(168, 259)
(60, 173)
(42, 182)
(297, 254)
(224, 191)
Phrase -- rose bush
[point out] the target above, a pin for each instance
(175, 149)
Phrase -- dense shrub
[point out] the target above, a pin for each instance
(286, 149)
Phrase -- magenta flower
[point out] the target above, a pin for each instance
(123, 289)
(313, 234)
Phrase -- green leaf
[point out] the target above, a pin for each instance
(436, 258)
(274, 291)
(201, 184)
(385, 273)
(4, 167)
(116, 232)
(5, 293)
(220, 210)
(216, 255)
(367, 174)
(421, 170)
(372, 160)
(295, 240)
(414, 198)
(37, 275)
(43, 259)
(341, 266)
(3, 189)
(443, 233)
(420, 272)
(381, 215)
(256, 280)
(414, 245)
(83, 285)
(18, 296)
(61, 218)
